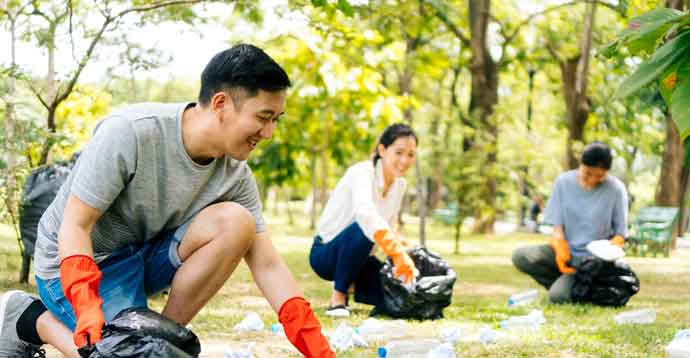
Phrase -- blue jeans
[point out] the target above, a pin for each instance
(346, 260)
(130, 275)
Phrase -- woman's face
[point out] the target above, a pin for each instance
(399, 156)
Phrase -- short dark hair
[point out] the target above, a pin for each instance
(597, 155)
(390, 135)
(241, 70)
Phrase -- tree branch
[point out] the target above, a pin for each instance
(531, 17)
(108, 20)
(449, 24)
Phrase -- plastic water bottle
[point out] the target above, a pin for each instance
(418, 348)
(680, 345)
(644, 316)
(532, 320)
(523, 298)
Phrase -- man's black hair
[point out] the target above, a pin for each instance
(241, 71)
(597, 155)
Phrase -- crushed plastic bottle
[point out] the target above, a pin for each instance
(523, 298)
(444, 350)
(345, 337)
(415, 348)
(680, 345)
(240, 353)
(373, 329)
(489, 336)
(532, 320)
(251, 322)
(644, 316)
(451, 334)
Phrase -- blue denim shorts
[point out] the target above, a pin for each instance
(130, 275)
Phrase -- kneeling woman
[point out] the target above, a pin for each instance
(361, 213)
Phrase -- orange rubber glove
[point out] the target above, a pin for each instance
(618, 241)
(80, 277)
(562, 251)
(393, 247)
(303, 329)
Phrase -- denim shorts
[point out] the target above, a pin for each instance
(130, 275)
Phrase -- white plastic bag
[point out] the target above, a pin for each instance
(252, 322)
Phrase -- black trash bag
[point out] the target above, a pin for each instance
(140, 332)
(40, 188)
(432, 291)
(604, 283)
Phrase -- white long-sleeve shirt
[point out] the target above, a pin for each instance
(358, 197)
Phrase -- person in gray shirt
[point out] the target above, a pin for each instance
(586, 204)
(162, 198)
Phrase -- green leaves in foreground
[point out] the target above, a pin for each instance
(661, 60)
(669, 64)
(644, 32)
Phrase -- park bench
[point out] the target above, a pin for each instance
(652, 230)
(448, 216)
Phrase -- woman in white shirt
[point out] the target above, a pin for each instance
(360, 213)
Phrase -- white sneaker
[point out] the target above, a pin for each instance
(338, 311)
(12, 305)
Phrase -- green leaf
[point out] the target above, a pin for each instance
(651, 28)
(666, 84)
(680, 102)
(319, 3)
(651, 69)
(345, 7)
(657, 15)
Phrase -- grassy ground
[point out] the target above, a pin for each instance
(485, 279)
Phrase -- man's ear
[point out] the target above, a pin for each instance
(219, 101)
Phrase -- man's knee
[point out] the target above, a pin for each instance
(559, 296)
(560, 291)
(230, 221)
(521, 258)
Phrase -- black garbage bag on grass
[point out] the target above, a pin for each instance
(604, 283)
(139, 332)
(432, 291)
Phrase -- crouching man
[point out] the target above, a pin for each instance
(162, 198)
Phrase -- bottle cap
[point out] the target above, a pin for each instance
(382, 352)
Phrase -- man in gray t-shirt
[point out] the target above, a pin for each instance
(586, 204)
(162, 197)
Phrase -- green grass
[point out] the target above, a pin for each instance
(485, 280)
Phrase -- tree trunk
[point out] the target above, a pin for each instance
(669, 189)
(436, 164)
(314, 181)
(405, 88)
(51, 96)
(575, 72)
(323, 190)
(483, 98)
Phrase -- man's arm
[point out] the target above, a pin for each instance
(558, 232)
(275, 281)
(78, 221)
(80, 277)
(270, 272)
(561, 250)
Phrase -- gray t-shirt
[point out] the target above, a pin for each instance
(587, 215)
(137, 172)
